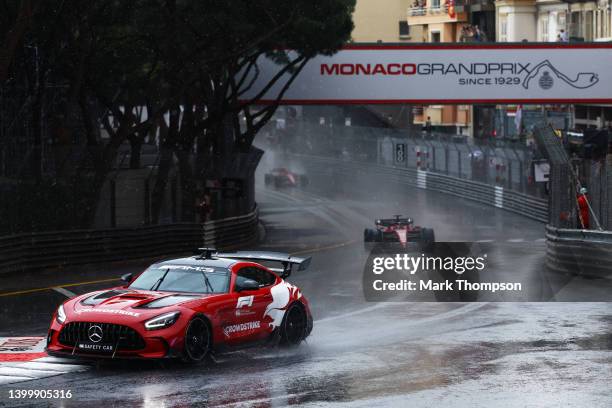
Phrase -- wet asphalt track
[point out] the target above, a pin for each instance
(417, 354)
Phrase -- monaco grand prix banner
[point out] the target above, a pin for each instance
(511, 73)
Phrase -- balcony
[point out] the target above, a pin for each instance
(423, 12)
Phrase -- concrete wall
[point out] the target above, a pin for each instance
(378, 20)
(520, 19)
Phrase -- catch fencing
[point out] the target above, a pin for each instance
(571, 250)
(504, 164)
(346, 170)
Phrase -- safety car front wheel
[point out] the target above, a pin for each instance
(197, 340)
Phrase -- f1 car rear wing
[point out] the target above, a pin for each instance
(395, 220)
(286, 260)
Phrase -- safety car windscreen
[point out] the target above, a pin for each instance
(183, 278)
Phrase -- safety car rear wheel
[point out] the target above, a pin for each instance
(294, 327)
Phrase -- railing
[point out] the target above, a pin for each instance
(569, 251)
(233, 232)
(54, 249)
(335, 169)
(500, 163)
(579, 252)
(424, 9)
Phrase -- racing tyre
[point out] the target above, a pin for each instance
(268, 179)
(197, 340)
(372, 235)
(428, 239)
(294, 327)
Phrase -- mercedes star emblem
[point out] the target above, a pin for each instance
(95, 333)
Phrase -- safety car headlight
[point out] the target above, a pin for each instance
(61, 315)
(162, 321)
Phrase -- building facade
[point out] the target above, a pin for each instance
(381, 21)
(559, 21)
(552, 20)
(378, 21)
(438, 21)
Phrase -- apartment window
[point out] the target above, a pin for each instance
(404, 29)
(435, 36)
(561, 20)
(588, 26)
(544, 29)
(574, 26)
(435, 4)
(503, 29)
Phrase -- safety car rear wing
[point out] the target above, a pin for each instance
(286, 260)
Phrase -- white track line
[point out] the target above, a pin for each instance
(14, 372)
(64, 292)
(30, 361)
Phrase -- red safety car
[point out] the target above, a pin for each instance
(402, 230)
(187, 308)
(282, 177)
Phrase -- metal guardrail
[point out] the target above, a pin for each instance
(496, 162)
(571, 251)
(61, 248)
(232, 232)
(579, 252)
(495, 196)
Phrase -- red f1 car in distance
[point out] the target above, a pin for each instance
(282, 177)
(402, 230)
(187, 308)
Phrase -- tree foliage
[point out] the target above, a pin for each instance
(166, 68)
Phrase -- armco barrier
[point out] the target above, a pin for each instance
(231, 232)
(52, 249)
(582, 252)
(579, 252)
(509, 200)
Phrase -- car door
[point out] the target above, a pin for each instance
(248, 320)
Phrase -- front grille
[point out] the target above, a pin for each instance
(125, 337)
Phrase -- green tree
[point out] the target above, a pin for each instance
(172, 68)
(217, 42)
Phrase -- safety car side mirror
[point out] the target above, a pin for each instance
(247, 284)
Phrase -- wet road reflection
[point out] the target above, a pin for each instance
(417, 354)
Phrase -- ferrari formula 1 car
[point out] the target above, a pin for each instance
(398, 229)
(282, 177)
(187, 308)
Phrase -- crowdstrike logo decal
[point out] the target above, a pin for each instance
(235, 328)
(545, 74)
(582, 81)
(108, 311)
